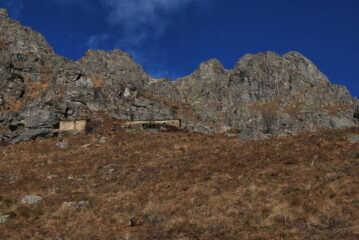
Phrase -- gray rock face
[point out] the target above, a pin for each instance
(264, 94)
(342, 122)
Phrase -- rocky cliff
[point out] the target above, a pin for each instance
(264, 95)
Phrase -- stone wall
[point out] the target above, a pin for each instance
(174, 123)
(73, 127)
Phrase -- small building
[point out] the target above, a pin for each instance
(166, 123)
(72, 127)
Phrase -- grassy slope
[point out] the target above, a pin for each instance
(184, 186)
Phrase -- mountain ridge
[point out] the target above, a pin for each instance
(264, 95)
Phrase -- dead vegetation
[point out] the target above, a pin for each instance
(98, 83)
(12, 106)
(270, 107)
(35, 90)
(181, 185)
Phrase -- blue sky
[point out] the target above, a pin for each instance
(171, 37)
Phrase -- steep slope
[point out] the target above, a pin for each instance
(264, 95)
(182, 185)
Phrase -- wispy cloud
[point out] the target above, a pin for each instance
(142, 19)
(141, 24)
(95, 41)
(14, 7)
(136, 26)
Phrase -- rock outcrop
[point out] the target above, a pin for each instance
(38, 88)
(263, 95)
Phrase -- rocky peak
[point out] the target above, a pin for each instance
(209, 68)
(198, 85)
(292, 70)
(304, 66)
(115, 65)
(105, 54)
(267, 56)
(243, 63)
(19, 39)
(208, 73)
(3, 13)
(258, 61)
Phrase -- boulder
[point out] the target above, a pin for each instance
(76, 204)
(63, 145)
(31, 134)
(342, 122)
(31, 199)
(102, 140)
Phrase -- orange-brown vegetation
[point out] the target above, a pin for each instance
(13, 106)
(268, 107)
(180, 185)
(2, 128)
(293, 109)
(98, 83)
(46, 70)
(34, 90)
(4, 45)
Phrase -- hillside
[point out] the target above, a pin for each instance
(268, 150)
(182, 185)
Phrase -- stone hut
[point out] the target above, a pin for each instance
(72, 127)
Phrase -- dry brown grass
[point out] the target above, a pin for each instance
(34, 90)
(2, 129)
(293, 109)
(184, 186)
(13, 106)
(98, 83)
(268, 107)
(46, 70)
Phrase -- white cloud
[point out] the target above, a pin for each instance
(95, 41)
(135, 13)
(135, 27)
(141, 19)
